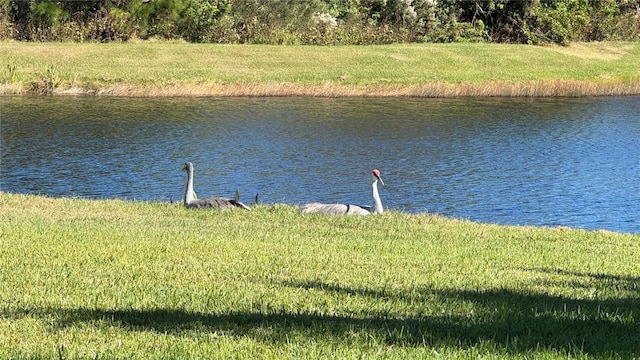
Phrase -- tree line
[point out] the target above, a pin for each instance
(322, 22)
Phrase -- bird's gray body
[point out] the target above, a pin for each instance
(346, 209)
(212, 203)
(333, 209)
(217, 203)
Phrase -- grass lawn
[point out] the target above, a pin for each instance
(183, 69)
(117, 279)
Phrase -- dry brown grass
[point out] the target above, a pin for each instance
(541, 88)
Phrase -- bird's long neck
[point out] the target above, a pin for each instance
(188, 194)
(377, 203)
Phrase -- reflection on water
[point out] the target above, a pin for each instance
(573, 162)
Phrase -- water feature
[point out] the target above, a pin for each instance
(551, 162)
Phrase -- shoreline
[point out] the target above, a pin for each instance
(538, 88)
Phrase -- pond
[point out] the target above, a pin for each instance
(544, 162)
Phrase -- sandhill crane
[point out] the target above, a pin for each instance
(339, 209)
(214, 202)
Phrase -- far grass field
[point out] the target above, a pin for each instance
(133, 280)
(183, 69)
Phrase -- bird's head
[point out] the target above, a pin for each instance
(375, 175)
(188, 167)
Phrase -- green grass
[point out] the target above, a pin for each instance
(117, 279)
(167, 68)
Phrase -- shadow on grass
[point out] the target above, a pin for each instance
(523, 322)
(512, 322)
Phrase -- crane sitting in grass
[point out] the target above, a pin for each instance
(190, 200)
(339, 209)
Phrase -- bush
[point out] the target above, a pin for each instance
(198, 18)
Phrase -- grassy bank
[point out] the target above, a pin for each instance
(430, 70)
(115, 279)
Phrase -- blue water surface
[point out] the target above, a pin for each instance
(544, 162)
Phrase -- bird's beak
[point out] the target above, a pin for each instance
(380, 178)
